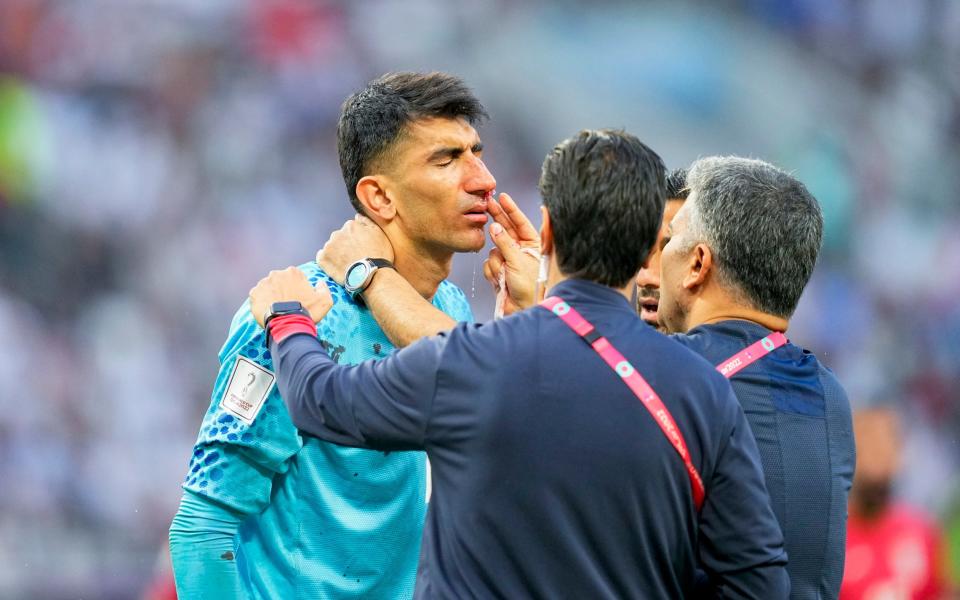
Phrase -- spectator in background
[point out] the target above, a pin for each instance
(894, 551)
(648, 278)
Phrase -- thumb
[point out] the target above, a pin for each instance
(508, 247)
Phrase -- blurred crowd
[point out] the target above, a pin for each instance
(157, 157)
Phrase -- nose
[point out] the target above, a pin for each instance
(480, 181)
(649, 276)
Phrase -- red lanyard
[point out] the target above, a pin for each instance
(637, 384)
(751, 354)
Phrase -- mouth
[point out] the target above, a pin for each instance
(477, 213)
(648, 309)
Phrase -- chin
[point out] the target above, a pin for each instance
(474, 242)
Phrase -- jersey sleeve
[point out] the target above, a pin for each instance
(246, 436)
(451, 300)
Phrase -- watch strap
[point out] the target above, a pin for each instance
(381, 263)
(374, 264)
(278, 309)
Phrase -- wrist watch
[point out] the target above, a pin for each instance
(279, 309)
(360, 274)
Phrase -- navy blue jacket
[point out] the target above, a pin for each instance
(550, 478)
(800, 417)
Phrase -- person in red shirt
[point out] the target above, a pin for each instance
(894, 551)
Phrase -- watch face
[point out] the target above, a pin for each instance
(356, 275)
(279, 308)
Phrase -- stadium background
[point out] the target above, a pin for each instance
(158, 156)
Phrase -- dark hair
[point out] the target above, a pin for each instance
(604, 191)
(763, 225)
(677, 185)
(372, 119)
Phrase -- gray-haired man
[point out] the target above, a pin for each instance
(735, 260)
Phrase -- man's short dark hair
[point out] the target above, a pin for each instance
(604, 191)
(372, 119)
(677, 185)
(764, 228)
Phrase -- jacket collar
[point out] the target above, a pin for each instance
(590, 293)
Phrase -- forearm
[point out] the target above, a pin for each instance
(382, 405)
(305, 374)
(202, 549)
(403, 314)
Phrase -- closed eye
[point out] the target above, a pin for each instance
(444, 157)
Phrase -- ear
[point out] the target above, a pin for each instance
(546, 232)
(699, 267)
(372, 194)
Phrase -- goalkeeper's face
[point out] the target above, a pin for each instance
(439, 186)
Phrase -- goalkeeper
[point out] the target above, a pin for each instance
(268, 514)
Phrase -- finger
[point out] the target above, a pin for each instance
(320, 304)
(492, 267)
(508, 247)
(487, 271)
(500, 216)
(495, 260)
(364, 220)
(526, 232)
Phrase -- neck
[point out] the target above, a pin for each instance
(714, 303)
(422, 268)
(555, 277)
(702, 313)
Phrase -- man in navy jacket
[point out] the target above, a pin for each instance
(551, 478)
(735, 258)
(734, 262)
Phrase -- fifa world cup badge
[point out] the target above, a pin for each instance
(249, 386)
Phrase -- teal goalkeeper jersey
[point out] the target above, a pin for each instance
(323, 521)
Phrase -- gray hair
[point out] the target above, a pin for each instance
(763, 226)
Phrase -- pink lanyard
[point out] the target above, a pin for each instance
(637, 384)
(751, 354)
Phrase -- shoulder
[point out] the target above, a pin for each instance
(699, 340)
(836, 402)
(680, 373)
(492, 342)
(681, 354)
(827, 377)
(244, 328)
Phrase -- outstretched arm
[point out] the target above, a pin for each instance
(383, 405)
(402, 313)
